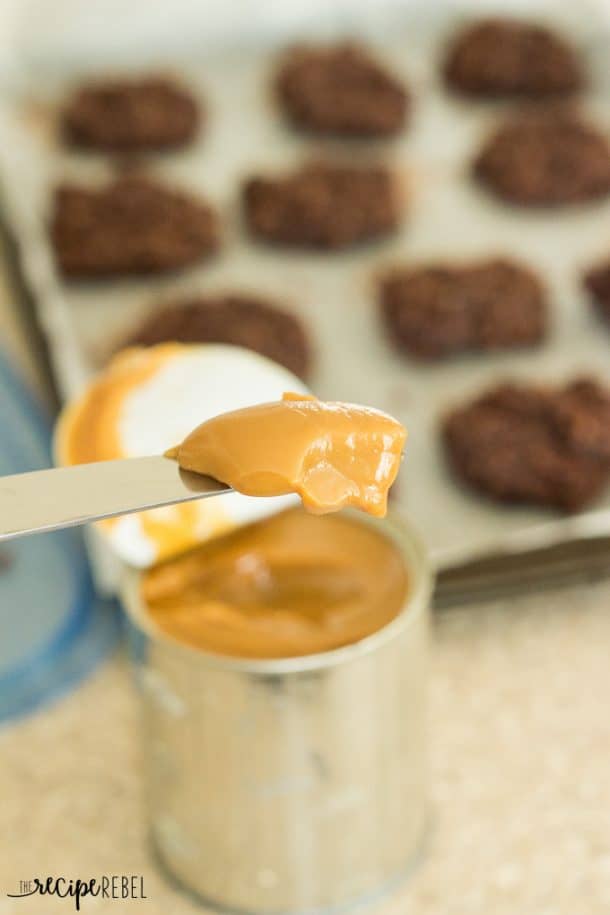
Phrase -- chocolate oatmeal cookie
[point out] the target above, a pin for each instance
(341, 89)
(498, 58)
(597, 282)
(436, 311)
(539, 445)
(236, 319)
(132, 226)
(131, 116)
(323, 205)
(546, 159)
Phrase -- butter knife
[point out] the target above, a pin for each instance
(45, 500)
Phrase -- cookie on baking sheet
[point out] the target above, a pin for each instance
(341, 89)
(241, 320)
(137, 115)
(597, 282)
(546, 159)
(323, 205)
(133, 225)
(521, 443)
(438, 310)
(496, 58)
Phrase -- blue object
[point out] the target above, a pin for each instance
(53, 630)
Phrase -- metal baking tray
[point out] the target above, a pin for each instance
(448, 218)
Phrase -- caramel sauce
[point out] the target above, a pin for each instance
(332, 454)
(291, 585)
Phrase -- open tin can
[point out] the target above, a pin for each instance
(292, 785)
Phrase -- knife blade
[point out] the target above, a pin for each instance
(45, 500)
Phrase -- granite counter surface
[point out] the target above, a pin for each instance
(520, 774)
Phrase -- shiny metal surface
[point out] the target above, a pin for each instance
(296, 785)
(46, 500)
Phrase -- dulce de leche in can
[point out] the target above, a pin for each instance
(282, 669)
(293, 584)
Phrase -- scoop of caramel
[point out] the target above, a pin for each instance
(331, 454)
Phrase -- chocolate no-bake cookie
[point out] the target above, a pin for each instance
(132, 226)
(597, 282)
(439, 310)
(546, 159)
(498, 58)
(341, 89)
(236, 319)
(323, 205)
(131, 116)
(539, 445)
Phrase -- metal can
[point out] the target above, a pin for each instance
(290, 785)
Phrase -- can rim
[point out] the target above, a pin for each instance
(397, 527)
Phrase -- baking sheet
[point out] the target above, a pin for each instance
(448, 217)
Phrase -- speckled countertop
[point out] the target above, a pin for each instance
(520, 773)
